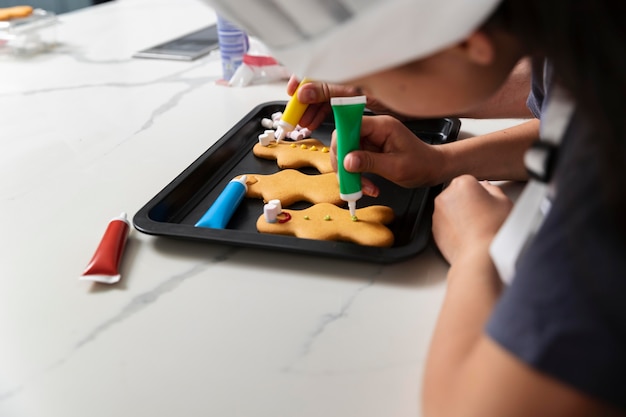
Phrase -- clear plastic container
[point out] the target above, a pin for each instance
(28, 35)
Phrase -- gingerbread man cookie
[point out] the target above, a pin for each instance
(290, 186)
(304, 153)
(326, 221)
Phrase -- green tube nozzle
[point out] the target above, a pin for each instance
(348, 112)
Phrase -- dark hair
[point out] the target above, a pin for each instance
(585, 41)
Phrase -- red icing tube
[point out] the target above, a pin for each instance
(104, 266)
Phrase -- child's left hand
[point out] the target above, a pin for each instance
(467, 216)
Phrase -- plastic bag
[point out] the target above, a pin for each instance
(258, 67)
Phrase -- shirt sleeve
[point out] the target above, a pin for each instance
(540, 86)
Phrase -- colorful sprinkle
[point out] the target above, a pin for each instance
(303, 146)
(313, 148)
(307, 218)
(325, 149)
(327, 217)
(293, 145)
(355, 219)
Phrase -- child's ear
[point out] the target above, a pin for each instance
(479, 48)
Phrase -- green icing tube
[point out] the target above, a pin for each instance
(348, 113)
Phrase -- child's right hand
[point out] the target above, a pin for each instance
(388, 147)
(391, 150)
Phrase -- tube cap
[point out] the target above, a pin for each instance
(347, 39)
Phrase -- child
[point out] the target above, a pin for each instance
(533, 322)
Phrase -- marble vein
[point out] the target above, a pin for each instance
(328, 320)
(134, 306)
(161, 109)
(142, 301)
(176, 77)
(192, 85)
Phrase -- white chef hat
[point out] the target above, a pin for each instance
(339, 40)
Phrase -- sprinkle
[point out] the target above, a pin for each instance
(327, 217)
(307, 218)
(313, 148)
(293, 145)
(325, 149)
(303, 146)
(355, 219)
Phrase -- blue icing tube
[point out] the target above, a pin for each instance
(220, 212)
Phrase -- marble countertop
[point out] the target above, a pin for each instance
(193, 329)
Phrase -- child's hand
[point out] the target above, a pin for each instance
(391, 150)
(467, 216)
(318, 96)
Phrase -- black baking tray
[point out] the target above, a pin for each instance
(174, 210)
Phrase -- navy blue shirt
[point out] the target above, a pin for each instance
(563, 314)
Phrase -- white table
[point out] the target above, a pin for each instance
(193, 329)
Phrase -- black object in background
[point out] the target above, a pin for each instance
(184, 48)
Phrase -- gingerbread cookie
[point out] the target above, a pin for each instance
(305, 153)
(290, 186)
(326, 221)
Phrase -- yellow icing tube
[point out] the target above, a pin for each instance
(292, 114)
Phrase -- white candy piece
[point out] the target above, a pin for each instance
(299, 133)
(277, 203)
(276, 116)
(295, 135)
(271, 133)
(271, 212)
(265, 139)
(267, 123)
(306, 132)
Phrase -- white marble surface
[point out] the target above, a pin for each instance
(193, 329)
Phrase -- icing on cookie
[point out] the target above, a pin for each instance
(369, 230)
(290, 155)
